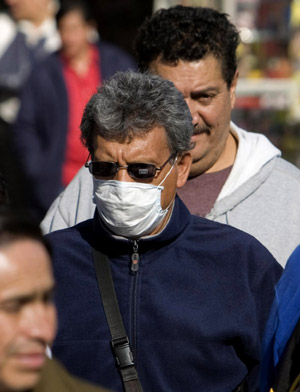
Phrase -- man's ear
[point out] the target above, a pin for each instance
(184, 162)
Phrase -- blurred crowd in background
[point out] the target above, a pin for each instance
(52, 60)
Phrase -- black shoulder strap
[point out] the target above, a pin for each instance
(287, 371)
(119, 339)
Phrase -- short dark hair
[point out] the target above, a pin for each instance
(130, 104)
(188, 34)
(67, 6)
(16, 225)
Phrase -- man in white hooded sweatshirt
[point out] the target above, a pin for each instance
(237, 177)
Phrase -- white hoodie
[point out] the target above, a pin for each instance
(254, 151)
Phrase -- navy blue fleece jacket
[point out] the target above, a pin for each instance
(194, 311)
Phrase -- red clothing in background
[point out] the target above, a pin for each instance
(79, 89)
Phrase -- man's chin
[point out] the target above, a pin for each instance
(20, 381)
(202, 158)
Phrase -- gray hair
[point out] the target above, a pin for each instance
(130, 105)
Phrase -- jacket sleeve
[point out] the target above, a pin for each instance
(36, 128)
(39, 134)
(262, 284)
(284, 315)
(26, 135)
(73, 205)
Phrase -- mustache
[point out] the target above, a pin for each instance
(198, 129)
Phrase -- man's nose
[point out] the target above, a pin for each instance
(39, 322)
(123, 175)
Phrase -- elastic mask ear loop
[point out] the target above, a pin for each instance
(167, 175)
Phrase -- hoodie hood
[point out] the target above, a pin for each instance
(254, 151)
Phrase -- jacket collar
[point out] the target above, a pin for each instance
(107, 242)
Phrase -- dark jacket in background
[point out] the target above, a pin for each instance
(39, 134)
(287, 371)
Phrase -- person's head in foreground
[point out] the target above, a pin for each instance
(195, 48)
(27, 312)
(137, 128)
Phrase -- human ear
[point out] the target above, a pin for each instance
(184, 162)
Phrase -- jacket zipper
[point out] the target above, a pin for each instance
(135, 257)
(135, 260)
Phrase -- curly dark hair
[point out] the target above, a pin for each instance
(189, 34)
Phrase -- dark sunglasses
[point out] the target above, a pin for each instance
(135, 170)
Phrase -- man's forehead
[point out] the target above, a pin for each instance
(151, 142)
(22, 272)
(156, 132)
(6, 267)
(181, 68)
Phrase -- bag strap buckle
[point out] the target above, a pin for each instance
(122, 352)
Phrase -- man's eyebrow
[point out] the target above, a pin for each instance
(200, 92)
(23, 298)
(17, 298)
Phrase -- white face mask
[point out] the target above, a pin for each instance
(129, 209)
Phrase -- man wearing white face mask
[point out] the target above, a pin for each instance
(189, 289)
(130, 209)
